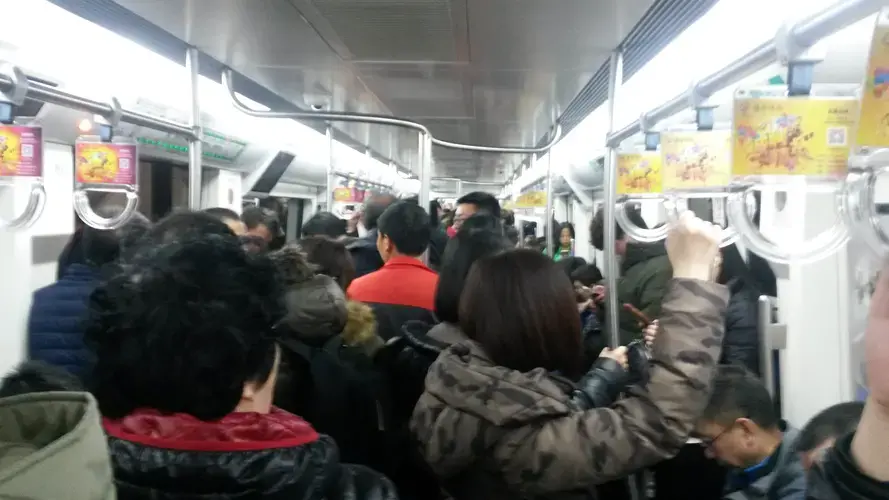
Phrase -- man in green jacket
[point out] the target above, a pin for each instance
(644, 273)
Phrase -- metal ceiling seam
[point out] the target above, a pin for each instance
(117, 18)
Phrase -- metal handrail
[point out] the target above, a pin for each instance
(337, 116)
(51, 95)
(806, 33)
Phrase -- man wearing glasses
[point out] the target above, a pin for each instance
(741, 429)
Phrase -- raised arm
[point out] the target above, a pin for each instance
(590, 447)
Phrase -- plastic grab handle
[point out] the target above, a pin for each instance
(635, 232)
(862, 201)
(90, 218)
(822, 245)
(729, 234)
(32, 212)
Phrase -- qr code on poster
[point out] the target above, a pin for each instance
(27, 150)
(124, 163)
(837, 136)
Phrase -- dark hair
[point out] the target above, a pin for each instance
(734, 269)
(566, 225)
(222, 213)
(331, 258)
(482, 221)
(254, 217)
(182, 327)
(324, 224)
(460, 254)
(736, 394)
(186, 224)
(484, 202)
(374, 208)
(508, 217)
(434, 207)
(571, 264)
(37, 376)
(512, 234)
(597, 225)
(832, 423)
(587, 275)
(407, 225)
(536, 325)
(104, 246)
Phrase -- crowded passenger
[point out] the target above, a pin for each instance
(438, 238)
(55, 322)
(509, 229)
(187, 360)
(72, 253)
(497, 418)
(52, 447)
(262, 223)
(563, 240)
(472, 203)
(644, 274)
(364, 250)
(821, 432)
(324, 224)
(230, 218)
(404, 288)
(741, 429)
(324, 376)
(857, 466)
(330, 258)
(740, 346)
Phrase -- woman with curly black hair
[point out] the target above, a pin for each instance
(186, 363)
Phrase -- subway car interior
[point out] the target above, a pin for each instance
(760, 116)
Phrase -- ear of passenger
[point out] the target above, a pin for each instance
(258, 395)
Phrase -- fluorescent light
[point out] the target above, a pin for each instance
(133, 71)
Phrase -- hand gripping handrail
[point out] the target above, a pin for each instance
(15, 96)
(336, 116)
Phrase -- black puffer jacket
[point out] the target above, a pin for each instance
(740, 345)
(241, 456)
(838, 478)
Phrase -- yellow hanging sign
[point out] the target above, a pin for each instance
(873, 128)
(696, 159)
(792, 136)
(639, 173)
(531, 199)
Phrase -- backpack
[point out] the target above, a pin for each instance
(337, 389)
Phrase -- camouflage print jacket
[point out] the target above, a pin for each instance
(493, 433)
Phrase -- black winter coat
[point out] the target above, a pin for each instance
(242, 456)
(740, 345)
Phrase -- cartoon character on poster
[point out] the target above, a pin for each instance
(873, 129)
(97, 163)
(639, 173)
(793, 136)
(696, 159)
(9, 151)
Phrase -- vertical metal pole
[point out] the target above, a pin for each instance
(611, 270)
(195, 146)
(425, 154)
(459, 189)
(331, 177)
(549, 204)
(765, 343)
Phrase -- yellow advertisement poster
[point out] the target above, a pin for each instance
(792, 136)
(873, 129)
(531, 199)
(639, 173)
(696, 159)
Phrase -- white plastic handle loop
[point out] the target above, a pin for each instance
(636, 233)
(33, 210)
(92, 219)
(861, 201)
(729, 234)
(825, 243)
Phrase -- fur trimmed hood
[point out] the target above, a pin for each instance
(361, 328)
